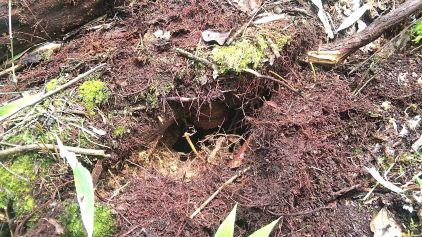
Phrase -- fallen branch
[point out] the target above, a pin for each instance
(52, 92)
(203, 205)
(336, 52)
(51, 147)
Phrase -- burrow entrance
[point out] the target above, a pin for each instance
(219, 117)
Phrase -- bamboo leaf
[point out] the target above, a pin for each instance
(84, 188)
(226, 228)
(266, 230)
(16, 105)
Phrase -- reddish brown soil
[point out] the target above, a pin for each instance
(303, 152)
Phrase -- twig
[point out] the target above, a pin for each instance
(243, 28)
(203, 205)
(195, 58)
(285, 81)
(181, 99)
(187, 137)
(37, 147)
(11, 69)
(52, 92)
(343, 191)
(257, 74)
(11, 43)
(13, 173)
(358, 90)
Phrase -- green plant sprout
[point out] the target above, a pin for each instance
(226, 229)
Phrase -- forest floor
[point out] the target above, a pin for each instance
(300, 158)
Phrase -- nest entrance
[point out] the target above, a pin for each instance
(211, 120)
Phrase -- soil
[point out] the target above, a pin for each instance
(306, 155)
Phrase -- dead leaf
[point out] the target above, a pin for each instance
(270, 18)
(355, 16)
(248, 6)
(219, 37)
(239, 156)
(56, 224)
(383, 225)
(323, 16)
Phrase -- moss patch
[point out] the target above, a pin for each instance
(119, 131)
(154, 92)
(52, 84)
(246, 53)
(93, 93)
(15, 183)
(104, 224)
(417, 32)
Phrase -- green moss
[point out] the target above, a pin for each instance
(52, 84)
(151, 97)
(119, 131)
(104, 224)
(417, 32)
(93, 93)
(26, 136)
(246, 53)
(282, 41)
(238, 56)
(155, 91)
(15, 183)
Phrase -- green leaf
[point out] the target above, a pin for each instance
(266, 230)
(17, 104)
(226, 229)
(84, 187)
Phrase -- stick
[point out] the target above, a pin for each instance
(189, 141)
(336, 52)
(203, 205)
(358, 90)
(52, 92)
(11, 69)
(257, 74)
(39, 147)
(195, 58)
(181, 99)
(11, 43)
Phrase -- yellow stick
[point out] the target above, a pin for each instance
(187, 137)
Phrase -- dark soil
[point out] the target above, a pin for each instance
(305, 154)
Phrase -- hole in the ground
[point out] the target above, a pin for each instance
(220, 119)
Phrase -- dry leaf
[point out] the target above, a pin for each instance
(383, 225)
(355, 16)
(248, 6)
(219, 37)
(270, 18)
